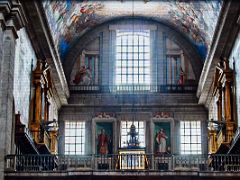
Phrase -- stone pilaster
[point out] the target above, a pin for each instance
(11, 20)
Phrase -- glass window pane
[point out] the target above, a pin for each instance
(118, 63)
(140, 78)
(141, 56)
(72, 132)
(67, 132)
(118, 40)
(124, 49)
(187, 125)
(190, 137)
(141, 71)
(135, 56)
(124, 40)
(79, 140)
(147, 64)
(130, 49)
(124, 64)
(75, 138)
(132, 52)
(118, 56)
(124, 70)
(130, 70)
(135, 78)
(124, 79)
(141, 63)
(130, 79)
(147, 79)
(141, 40)
(146, 41)
(147, 55)
(119, 49)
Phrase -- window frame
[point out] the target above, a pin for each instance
(127, 129)
(128, 71)
(75, 137)
(187, 138)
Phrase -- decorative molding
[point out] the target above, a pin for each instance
(12, 16)
(104, 115)
(163, 115)
(45, 49)
(133, 26)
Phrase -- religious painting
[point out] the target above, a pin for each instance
(68, 18)
(85, 71)
(162, 137)
(104, 137)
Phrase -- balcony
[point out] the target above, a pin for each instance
(149, 163)
(132, 89)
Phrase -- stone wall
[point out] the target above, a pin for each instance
(159, 33)
(142, 107)
(235, 65)
(84, 107)
(25, 63)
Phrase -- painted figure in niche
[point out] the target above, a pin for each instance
(181, 77)
(161, 139)
(83, 76)
(103, 141)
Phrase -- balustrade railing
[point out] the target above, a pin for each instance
(22, 129)
(116, 162)
(134, 88)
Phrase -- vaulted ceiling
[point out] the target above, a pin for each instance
(70, 19)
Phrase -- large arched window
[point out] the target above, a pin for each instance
(132, 57)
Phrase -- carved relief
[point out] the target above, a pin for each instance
(163, 115)
(104, 115)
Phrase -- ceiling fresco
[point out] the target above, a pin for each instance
(69, 19)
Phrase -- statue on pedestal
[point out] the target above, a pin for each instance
(133, 137)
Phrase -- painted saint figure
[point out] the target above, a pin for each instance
(161, 139)
(83, 76)
(181, 77)
(103, 143)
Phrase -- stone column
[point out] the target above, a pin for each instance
(6, 90)
(11, 20)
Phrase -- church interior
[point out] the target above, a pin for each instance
(135, 89)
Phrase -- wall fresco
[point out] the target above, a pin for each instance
(71, 18)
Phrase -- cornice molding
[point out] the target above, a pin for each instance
(12, 16)
(44, 47)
